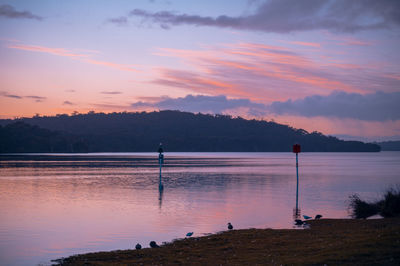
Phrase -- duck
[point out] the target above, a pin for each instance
(307, 217)
(138, 246)
(298, 222)
(318, 216)
(153, 244)
(189, 234)
(230, 227)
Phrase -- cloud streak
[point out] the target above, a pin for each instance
(284, 16)
(111, 92)
(120, 21)
(36, 98)
(5, 94)
(10, 12)
(18, 97)
(308, 44)
(53, 51)
(76, 56)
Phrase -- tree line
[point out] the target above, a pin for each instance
(178, 131)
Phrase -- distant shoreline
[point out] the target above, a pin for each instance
(174, 153)
(178, 131)
(329, 241)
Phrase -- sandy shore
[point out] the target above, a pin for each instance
(328, 241)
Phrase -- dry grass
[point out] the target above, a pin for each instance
(351, 242)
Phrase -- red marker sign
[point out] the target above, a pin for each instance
(296, 148)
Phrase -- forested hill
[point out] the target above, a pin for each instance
(178, 131)
(390, 145)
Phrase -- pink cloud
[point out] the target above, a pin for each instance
(393, 76)
(199, 83)
(354, 41)
(53, 51)
(265, 73)
(311, 44)
(110, 64)
(66, 53)
(348, 40)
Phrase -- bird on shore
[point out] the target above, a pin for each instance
(138, 246)
(318, 216)
(307, 217)
(153, 244)
(189, 234)
(298, 222)
(230, 227)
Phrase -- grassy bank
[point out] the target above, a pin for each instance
(347, 241)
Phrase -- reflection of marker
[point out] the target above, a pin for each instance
(160, 161)
(160, 197)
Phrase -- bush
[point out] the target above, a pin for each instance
(362, 209)
(389, 206)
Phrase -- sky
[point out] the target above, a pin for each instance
(328, 66)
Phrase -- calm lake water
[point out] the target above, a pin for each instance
(62, 204)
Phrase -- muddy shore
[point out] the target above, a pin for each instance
(328, 241)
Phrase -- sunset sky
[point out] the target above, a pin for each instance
(330, 66)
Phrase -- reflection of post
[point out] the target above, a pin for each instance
(160, 161)
(297, 149)
(160, 197)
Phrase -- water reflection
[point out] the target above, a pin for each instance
(296, 213)
(160, 196)
(53, 206)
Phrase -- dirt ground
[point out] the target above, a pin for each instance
(328, 241)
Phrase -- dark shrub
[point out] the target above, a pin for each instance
(390, 205)
(362, 209)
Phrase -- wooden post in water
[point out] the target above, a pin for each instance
(297, 150)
